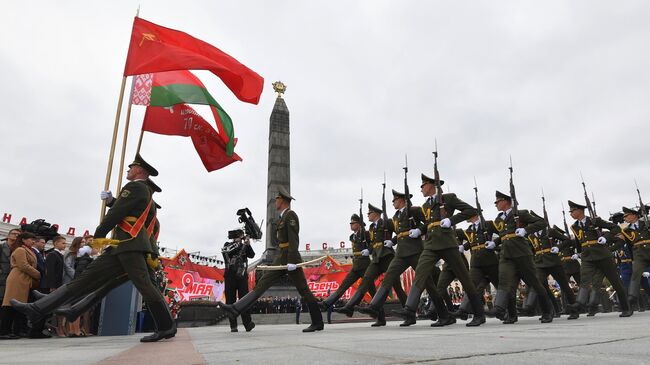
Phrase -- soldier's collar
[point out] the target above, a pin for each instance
(507, 211)
(282, 212)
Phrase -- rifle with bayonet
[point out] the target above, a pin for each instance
(407, 195)
(642, 207)
(362, 230)
(590, 207)
(566, 227)
(515, 203)
(436, 176)
(384, 215)
(481, 220)
(548, 224)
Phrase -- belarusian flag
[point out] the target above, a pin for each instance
(156, 49)
(181, 87)
(182, 120)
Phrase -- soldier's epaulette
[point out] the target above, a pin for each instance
(535, 214)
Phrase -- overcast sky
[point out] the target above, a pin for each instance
(562, 86)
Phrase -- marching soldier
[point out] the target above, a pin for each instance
(287, 234)
(409, 247)
(440, 243)
(569, 255)
(596, 258)
(447, 276)
(637, 236)
(361, 249)
(75, 309)
(382, 256)
(516, 256)
(131, 215)
(547, 262)
(484, 263)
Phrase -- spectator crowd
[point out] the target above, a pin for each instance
(28, 270)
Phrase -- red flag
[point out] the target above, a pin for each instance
(155, 49)
(182, 120)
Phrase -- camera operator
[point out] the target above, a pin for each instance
(235, 255)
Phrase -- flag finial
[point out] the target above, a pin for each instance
(279, 88)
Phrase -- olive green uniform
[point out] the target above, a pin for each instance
(567, 250)
(360, 241)
(597, 258)
(407, 255)
(441, 243)
(127, 258)
(484, 263)
(549, 263)
(515, 260)
(638, 237)
(381, 258)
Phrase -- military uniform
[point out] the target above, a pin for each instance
(484, 263)
(287, 235)
(441, 243)
(445, 278)
(569, 255)
(515, 260)
(133, 216)
(637, 236)
(548, 263)
(407, 255)
(361, 248)
(381, 257)
(596, 258)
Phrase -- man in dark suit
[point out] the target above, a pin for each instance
(54, 265)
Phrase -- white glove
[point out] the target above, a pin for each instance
(490, 245)
(445, 223)
(106, 195)
(291, 267)
(602, 240)
(365, 252)
(461, 248)
(646, 274)
(574, 256)
(521, 232)
(415, 233)
(555, 250)
(388, 243)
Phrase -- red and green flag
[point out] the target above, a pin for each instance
(183, 120)
(154, 48)
(165, 89)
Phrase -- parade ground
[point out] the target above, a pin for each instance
(604, 339)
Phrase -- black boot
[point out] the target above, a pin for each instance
(75, 310)
(376, 303)
(529, 309)
(500, 304)
(348, 311)
(594, 300)
(233, 310)
(408, 312)
(381, 319)
(233, 324)
(580, 305)
(478, 309)
(39, 309)
(316, 318)
(546, 307)
(624, 304)
(38, 295)
(556, 307)
(165, 325)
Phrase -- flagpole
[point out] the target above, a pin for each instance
(124, 139)
(140, 140)
(107, 182)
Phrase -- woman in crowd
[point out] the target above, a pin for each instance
(22, 277)
(69, 259)
(82, 260)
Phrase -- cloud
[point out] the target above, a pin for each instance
(562, 87)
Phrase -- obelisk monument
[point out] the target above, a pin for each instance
(279, 172)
